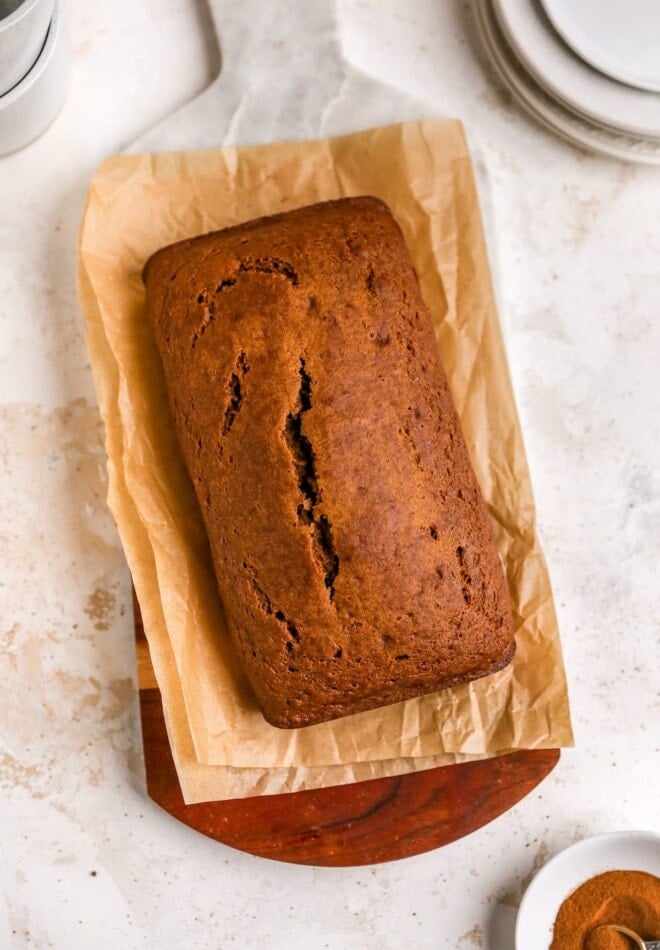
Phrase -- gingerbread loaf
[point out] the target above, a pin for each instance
(352, 548)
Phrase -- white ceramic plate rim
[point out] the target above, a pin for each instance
(618, 850)
(23, 10)
(594, 96)
(586, 45)
(551, 113)
(46, 54)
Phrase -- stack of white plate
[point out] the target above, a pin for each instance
(34, 69)
(587, 69)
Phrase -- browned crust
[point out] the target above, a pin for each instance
(352, 548)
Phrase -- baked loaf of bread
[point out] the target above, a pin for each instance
(352, 548)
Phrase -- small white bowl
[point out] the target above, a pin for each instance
(29, 108)
(22, 36)
(619, 851)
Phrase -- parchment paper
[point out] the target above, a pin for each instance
(221, 743)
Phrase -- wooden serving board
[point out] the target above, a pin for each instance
(284, 79)
(346, 825)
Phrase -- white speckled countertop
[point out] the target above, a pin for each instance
(86, 860)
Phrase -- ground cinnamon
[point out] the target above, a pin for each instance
(628, 898)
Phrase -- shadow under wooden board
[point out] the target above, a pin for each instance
(346, 825)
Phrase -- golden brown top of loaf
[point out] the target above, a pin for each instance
(352, 548)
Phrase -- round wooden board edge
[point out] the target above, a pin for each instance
(370, 822)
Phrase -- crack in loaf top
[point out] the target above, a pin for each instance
(352, 548)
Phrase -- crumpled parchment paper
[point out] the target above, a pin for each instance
(221, 744)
